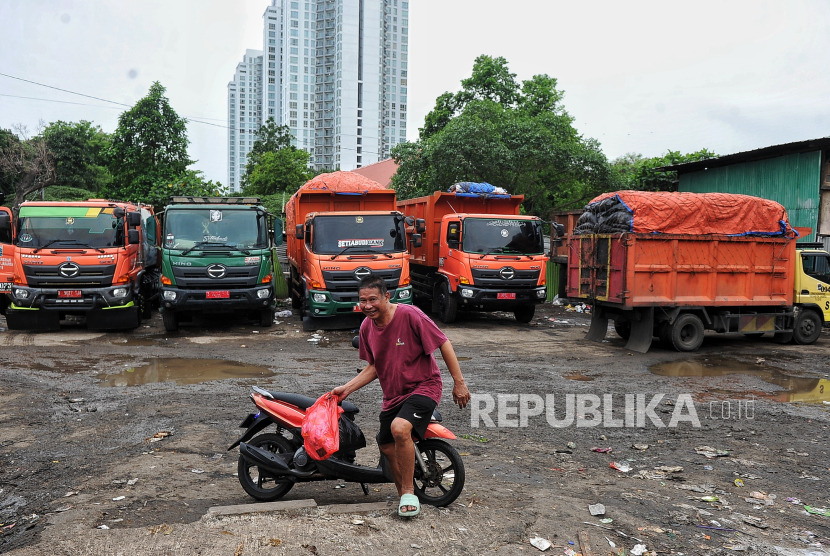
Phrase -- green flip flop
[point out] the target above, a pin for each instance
(409, 500)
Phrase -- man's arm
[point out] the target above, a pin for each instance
(460, 393)
(365, 376)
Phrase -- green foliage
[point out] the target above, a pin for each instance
(148, 147)
(190, 182)
(274, 203)
(515, 136)
(79, 149)
(274, 165)
(65, 193)
(7, 176)
(633, 171)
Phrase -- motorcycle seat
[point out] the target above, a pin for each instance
(304, 402)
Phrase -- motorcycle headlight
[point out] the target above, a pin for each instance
(119, 292)
(262, 294)
(168, 295)
(319, 297)
(22, 294)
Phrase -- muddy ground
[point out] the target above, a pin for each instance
(78, 409)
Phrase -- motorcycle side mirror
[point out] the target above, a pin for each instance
(118, 212)
(298, 233)
(356, 342)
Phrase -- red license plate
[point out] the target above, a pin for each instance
(70, 293)
(221, 294)
(505, 296)
(357, 309)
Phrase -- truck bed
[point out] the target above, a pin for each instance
(661, 270)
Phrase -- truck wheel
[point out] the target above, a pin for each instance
(807, 327)
(687, 332)
(171, 321)
(447, 305)
(266, 317)
(623, 329)
(524, 313)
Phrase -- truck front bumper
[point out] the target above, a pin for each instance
(323, 303)
(487, 299)
(40, 308)
(174, 299)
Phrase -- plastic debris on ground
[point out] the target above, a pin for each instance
(669, 469)
(572, 445)
(118, 498)
(283, 314)
(610, 543)
(708, 467)
(104, 527)
(640, 447)
(710, 452)
(198, 471)
(540, 543)
(794, 501)
(601, 450)
(569, 552)
(817, 511)
(620, 466)
(596, 509)
(606, 520)
(710, 498)
(161, 435)
(739, 483)
(638, 550)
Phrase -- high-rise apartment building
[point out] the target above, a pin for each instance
(334, 72)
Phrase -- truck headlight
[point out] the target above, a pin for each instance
(319, 297)
(262, 294)
(541, 293)
(404, 294)
(168, 295)
(119, 292)
(466, 292)
(22, 294)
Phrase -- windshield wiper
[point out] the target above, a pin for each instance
(202, 244)
(71, 241)
(492, 251)
(351, 247)
(91, 247)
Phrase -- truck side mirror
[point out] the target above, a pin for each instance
(409, 220)
(420, 225)
(5, 228)
(132, 237)
(298, 233)
(134, 219)
(416, 240)
(560, 229)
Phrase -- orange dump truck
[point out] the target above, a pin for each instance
(98, 259)
(477, 254)
(673, 265)
(341, 227)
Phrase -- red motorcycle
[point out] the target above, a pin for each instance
(271, 463)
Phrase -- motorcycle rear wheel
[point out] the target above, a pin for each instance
(258, 483)
(445, 480)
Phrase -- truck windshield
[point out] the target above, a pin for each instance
(366, 234)
(205, 229)
(486, 235)
(69, 226)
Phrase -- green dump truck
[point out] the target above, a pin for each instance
(218, 256)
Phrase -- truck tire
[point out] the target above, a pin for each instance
(447, 304)
(171, 321)
(807, 327)
(524, 313)
(266, 317)
(687, 332)
(623, 329)
(296, 300)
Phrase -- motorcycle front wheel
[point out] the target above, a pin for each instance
(258, 482)
(445, 476)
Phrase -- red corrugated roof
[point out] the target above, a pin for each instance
(380, 172)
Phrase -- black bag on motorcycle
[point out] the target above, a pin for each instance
(351, 437)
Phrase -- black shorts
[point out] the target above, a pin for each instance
(416, 409)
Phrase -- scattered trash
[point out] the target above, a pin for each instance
(131, 482)
(596, 509)
(638, 550)
(538, 542)
(476, 437)
(760, 361)
(606, 520)
(70, 493)
(117, 498)
(283, 314)
(817, 511)
(697, 488)
(197, 470)
(739, 547)
(623, 467)
(572, 445)
(669, 469)
(707, 468)
(159, 436)
(710, 452)
(809, 477)
(63, 508)
(755, 521)
(76, 400)
(104, 527)
(610, 543)
(794, 501)
(739, 483)
(358, 522)
(710, 499)
(642, 447)
(601, 450)
(569, 552)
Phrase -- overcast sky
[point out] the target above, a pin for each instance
(638, 76)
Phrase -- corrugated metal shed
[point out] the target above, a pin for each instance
(792, 180)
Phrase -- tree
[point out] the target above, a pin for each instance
(274, 165)
(517, 136)
(189, 183)
(79, 149)
(637, 172)
(148, 147)
(27, 162)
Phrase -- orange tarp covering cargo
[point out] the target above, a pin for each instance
(687, 213)
(336, 182)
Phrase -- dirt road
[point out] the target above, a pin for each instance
(79, 411)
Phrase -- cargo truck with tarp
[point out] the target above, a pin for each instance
(477, 253)
(673, 265)
(97, 259)
(218, 256)
(340, 228)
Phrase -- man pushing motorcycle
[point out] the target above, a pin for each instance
(397, 342)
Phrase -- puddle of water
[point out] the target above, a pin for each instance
(796, 389)
(578, 376)
(183, 371)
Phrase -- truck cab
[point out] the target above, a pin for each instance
(218, 256)
(812, 288)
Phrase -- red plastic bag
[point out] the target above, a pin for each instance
(321, 431)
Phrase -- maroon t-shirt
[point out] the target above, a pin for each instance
(401, 352)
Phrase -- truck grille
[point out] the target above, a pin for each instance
(496, 278)
(346, 281)
(38, 276)
(196, 278)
